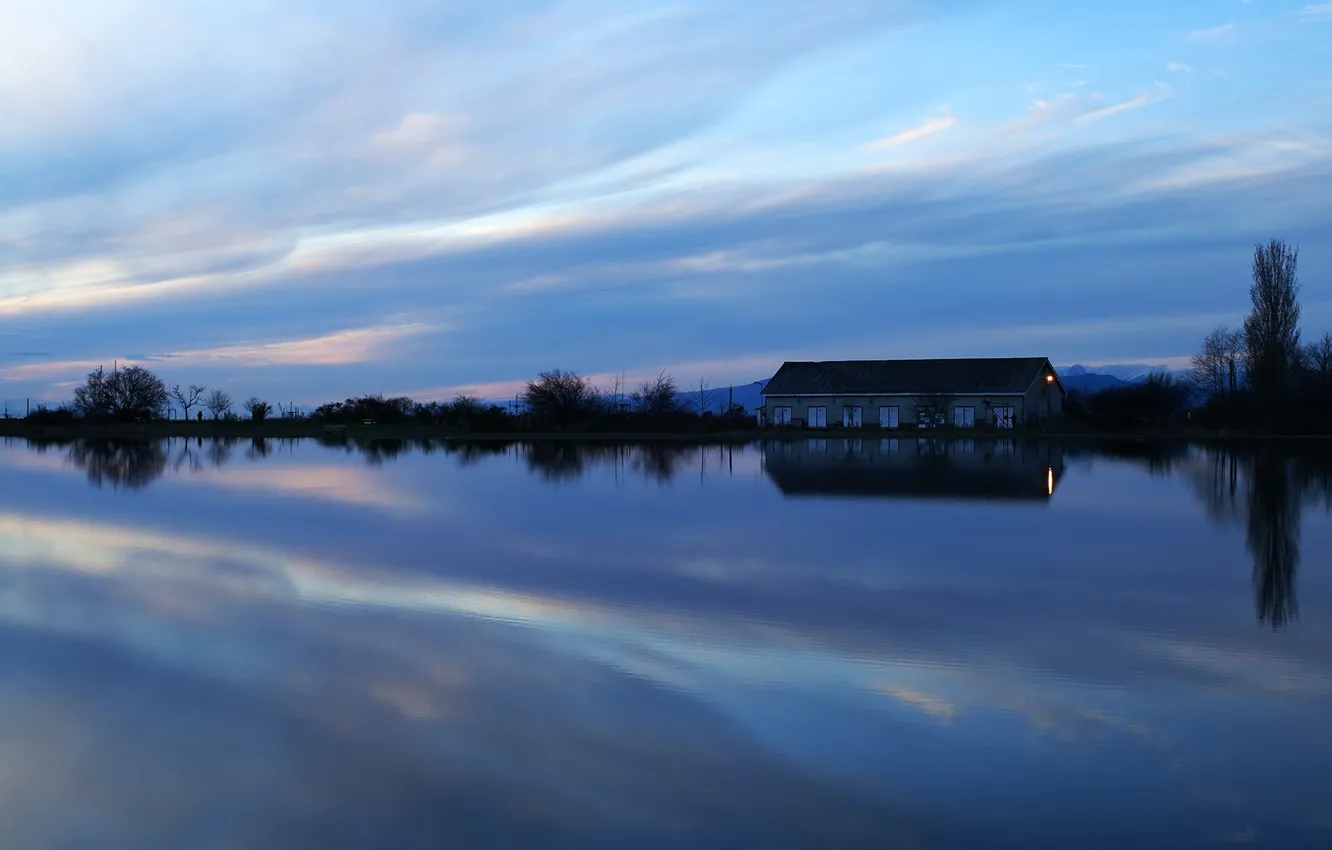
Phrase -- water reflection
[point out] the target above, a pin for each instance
(1265, 488)
(413, 644)
(916, 468)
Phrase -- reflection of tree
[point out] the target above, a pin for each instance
(1273, 539)
(376, 452)
(556, 460)
(219, 450)
(564, 460)
(659, 462)
(1267, 490)
(469, 452)
(259, 448)
(131, 464)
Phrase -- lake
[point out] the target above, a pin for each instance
(812, 643)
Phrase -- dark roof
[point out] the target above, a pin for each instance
(978, 376)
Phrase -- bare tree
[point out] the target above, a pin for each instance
(258, 409)
(702, 403)
(1317, 359)
(218, 403)
(187, 398)
(464, 406)
(1216, 366)
(559, 396)
(94, 397)
(1271, 332)
(658, 397)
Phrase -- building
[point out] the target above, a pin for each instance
(997, 392)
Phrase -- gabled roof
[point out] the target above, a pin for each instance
(973, 376)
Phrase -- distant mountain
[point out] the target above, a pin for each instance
(1113, 376)
(1091, 382)
(746, 395)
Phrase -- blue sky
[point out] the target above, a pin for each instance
(314, 199)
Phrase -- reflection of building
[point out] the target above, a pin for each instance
(962, 393)
(909, 467)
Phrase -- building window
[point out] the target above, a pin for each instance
(1005, 417)
(964, 417)
(852, 417)
(818, 417)
(930, 419)
(887, 417)
(781, 416)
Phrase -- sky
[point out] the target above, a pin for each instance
(310, 200)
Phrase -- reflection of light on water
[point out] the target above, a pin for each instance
(1049, 482)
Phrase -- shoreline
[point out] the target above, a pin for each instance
(305, 429)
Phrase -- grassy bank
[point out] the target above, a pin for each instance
(307, 428)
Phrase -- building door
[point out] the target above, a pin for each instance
(851, 417)
(781, 416)
(818, 417)
(1004, 417)
(887, 417)
(964, 417)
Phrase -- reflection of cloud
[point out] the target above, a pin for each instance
(936, 707)
(347, 485)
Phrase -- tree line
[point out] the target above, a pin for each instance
(1260, 376)
(554, 399)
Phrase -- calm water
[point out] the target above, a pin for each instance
(810, 644)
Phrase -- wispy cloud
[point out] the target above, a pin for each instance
(1103, 112)
(1179, 68)
(338, 348)
(1212, 33)
(1316, 13)
(931, 126)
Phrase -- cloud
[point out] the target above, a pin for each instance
(1316, 13)
(1179, 68)
(1115, 109)
(676, 179)
(338, 348)
(1212, 33)
(931, 126)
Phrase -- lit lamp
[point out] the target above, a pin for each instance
(1049, 379)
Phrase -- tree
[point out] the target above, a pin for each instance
(702, 402)
(129, 393)
(465, 406)
(559, 396)
(218, 403)
(258, 409)
(188, 398)
(1317, 361)
(658, 397)
(613, 398)
(93, 399)
(1271, 332)
(1216, 366)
